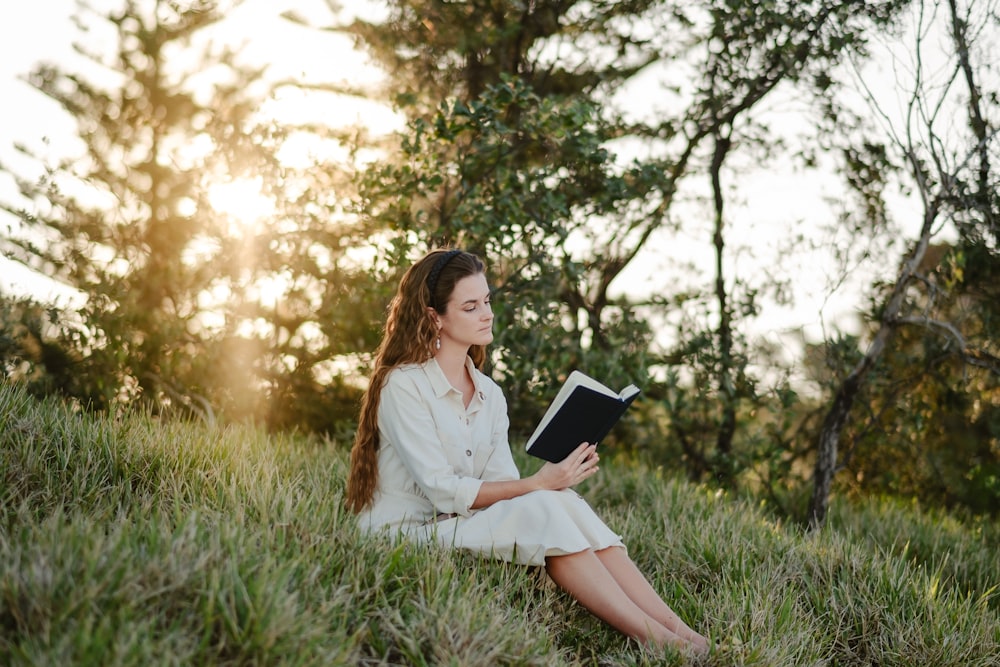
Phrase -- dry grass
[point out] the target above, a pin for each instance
(137, 542)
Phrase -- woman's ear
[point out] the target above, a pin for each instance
(435, 318)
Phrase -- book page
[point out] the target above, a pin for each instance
(576, 378)
(628, 392)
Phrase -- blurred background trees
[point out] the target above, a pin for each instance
(213, 272)
(579, 147)
(128, 222)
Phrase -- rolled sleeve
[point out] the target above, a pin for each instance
(406, 422)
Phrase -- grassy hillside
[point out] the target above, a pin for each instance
(135, 542)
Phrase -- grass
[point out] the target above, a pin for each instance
(132, 541)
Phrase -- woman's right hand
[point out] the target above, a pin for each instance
(578, 466)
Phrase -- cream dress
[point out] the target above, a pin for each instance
(435, 453)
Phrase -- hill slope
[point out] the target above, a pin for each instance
(131, 541)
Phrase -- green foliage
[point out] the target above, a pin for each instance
(38, 353)
(477, 173)
(931, 424)
(143, 541)
(435, 51)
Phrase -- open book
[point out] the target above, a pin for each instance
(584, 410)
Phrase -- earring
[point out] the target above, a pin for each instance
(437, 343)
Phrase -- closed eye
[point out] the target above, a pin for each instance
(473, 306)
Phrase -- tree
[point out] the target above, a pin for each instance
(191, 306)
(931, 431)
(435, 50)
(128, 222)
(749, 52)
(739, 54)
(952, 175)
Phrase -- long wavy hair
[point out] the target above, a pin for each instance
(409, 337)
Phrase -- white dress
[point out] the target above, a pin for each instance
(435, 453)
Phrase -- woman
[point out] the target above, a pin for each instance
(431, 457)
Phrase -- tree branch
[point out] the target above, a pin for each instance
(975, 357)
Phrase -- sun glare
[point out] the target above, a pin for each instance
(241, 199)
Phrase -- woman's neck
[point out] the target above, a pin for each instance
(452, 363)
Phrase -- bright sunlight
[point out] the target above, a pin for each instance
(241, 199)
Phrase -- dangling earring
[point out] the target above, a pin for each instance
(437, 343)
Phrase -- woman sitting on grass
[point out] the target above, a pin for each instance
(431, 457)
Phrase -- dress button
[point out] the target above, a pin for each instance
(468, 452)
(466, 421)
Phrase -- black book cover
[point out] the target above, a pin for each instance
(585, 414)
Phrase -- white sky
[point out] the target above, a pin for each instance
(769, 205)
(28, 32)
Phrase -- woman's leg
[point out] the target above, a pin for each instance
(639, 590)
(589, 581)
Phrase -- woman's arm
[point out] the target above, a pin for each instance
(572, 470)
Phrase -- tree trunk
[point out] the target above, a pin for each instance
(840, 409)
(726, 383)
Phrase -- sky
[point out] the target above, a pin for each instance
(28, 33)
(773, 204)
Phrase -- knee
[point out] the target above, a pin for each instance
(562, 561)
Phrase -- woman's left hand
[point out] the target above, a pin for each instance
(578, 466)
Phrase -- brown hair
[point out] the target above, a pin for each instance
(409, 337)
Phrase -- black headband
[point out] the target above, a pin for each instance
(435, 274)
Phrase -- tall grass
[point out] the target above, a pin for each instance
(134, 541)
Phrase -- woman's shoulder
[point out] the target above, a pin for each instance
(405, 373)
(404, 383)
(406, 368)
(423, 377)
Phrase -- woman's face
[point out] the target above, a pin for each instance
(468, 318)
